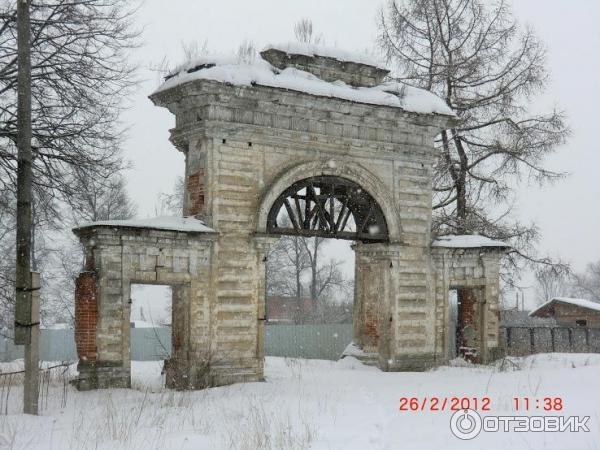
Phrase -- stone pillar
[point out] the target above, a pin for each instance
(104, 357)
(492, 348)
(375, 291)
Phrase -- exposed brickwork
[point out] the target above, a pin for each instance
(372, 327)
(195, 188)
(86, 315)
(467, 328)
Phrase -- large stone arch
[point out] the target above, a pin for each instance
(333, 167)
(373, 297)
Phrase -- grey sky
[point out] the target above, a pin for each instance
(568, 213)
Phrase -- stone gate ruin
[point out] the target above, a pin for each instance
(317, 138)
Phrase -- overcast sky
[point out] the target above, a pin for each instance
(568, 213)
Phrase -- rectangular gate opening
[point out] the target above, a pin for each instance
(150, 333)
(465, 324)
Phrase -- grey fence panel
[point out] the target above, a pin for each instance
(9, 351)
(150, 344)
(319, 341)
(562, 341)
(579, 340)
(147, 344)
(58, 345)
(542, 340)
(594, 339)
(520, 341)
(55, 345)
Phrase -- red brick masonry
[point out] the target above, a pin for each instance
(466, 319)
(195, 188)
(86, 315)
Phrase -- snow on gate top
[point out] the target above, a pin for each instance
(233, 70)
(167, 223)
(467, 241)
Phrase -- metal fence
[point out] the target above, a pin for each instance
(325, 341)
(147, 344)
(521, 341)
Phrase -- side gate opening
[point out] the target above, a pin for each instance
(466, 323)
(150, 343)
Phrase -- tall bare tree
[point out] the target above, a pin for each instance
(297, 267)
(326, 277)
(80, 73)
(286, 264)
(489, 70)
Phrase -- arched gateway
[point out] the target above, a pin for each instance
(299, 142)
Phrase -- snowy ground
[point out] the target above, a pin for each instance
(308, 404)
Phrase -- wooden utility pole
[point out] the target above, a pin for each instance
(26, 313)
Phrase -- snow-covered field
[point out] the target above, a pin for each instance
(309, 404)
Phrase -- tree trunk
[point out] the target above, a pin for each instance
(461, 186)
(298, 269)
(314, 266)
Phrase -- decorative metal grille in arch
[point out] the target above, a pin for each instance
(330, 207)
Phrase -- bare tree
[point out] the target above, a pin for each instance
(305, 33)
(286, 263)
(488, 70)
(325, 278)
(7, 263)
(80, 74)
(550, 283)
(103, 200)
(587, 284)
(297, 268)
(171, 203)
